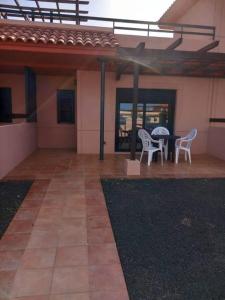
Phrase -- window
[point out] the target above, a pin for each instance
(65, 106)
(5, 105)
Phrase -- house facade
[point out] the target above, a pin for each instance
(66, 112)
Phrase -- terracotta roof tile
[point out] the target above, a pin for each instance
(57, 36)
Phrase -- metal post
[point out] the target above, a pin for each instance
(134, 114)
(102, 108)
(51, 16)
(32, 16)
(77, 13)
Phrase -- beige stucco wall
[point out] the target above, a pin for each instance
(197, 101)
(50, 133)
(20, 140)
(199, 13)
(203, 12)
(212, 12)
(192, 107)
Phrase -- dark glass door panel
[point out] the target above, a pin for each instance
(156, 115)
(125, 123)
(155, 108)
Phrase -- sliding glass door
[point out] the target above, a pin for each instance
(155, 108)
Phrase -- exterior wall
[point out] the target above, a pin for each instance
(201, 13)
(216, 142)
(19, 142)
(212, 12)
(192, 107)
(88, 112)
(177, 9)
(216, 134)
(189, 42)
(50, 133)
(17, 84)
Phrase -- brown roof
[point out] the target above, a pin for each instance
(51, 35)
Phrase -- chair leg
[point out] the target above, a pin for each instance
(142, 152)
(185, 155)
(149, 157)
(189, 155)
(161, 157)
(166, 151)
(177, 155)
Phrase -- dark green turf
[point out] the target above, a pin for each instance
(12, 194)
(170, 235)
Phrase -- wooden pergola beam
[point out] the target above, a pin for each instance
(176, 63)
(159, 55)
(58, 10)
(66, 1)
(209, 47)
(136, 52)
(175, 44)
(24, 15)
(11, 8)
(77, 12)
(39, 9)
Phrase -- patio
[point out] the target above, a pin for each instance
(65, 211)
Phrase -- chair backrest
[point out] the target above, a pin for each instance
(145, 138)
(190, 137)
(160, 131)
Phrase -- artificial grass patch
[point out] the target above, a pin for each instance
(170, 235)
(12, 194)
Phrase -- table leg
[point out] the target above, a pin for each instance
(171, 150)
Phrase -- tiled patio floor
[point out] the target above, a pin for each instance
(60, 244)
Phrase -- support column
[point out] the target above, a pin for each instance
(132, 165)
(134, 114)
(102, 108)
(77, 12)
(30, 94)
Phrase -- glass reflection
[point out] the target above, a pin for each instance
(149, 116)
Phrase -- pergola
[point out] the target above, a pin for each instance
(160, 62)
(50, 12)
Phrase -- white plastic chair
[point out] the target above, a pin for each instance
(148, 147)
(184, 143)
(162, 131)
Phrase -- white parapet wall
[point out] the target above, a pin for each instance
(17, 141)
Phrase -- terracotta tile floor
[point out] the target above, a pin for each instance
(60, 244)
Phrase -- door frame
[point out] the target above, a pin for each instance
(158, 96)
